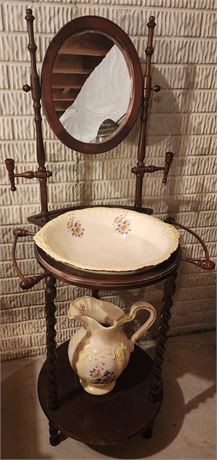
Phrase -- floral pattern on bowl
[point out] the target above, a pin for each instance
(122, 224)
(75, 227)
(82, 308)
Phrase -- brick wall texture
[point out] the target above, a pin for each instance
(182, 120)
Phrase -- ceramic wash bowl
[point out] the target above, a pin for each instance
(108, 239)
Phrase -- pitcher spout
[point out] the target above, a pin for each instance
(90, 324)
(103, 312)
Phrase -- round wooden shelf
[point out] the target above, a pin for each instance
(108, 281)
(101, 420)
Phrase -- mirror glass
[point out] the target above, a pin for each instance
(91, 84)
(91, 87)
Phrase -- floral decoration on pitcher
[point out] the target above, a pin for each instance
(122, 225)
(101, 376)
(75, 227)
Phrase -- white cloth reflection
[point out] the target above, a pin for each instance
(105, 94)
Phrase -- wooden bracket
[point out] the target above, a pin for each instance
(10, 165)
(141, 169)
(207, 263)
(26, 282)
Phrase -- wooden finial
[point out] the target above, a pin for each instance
(151, 22)
(29, 16)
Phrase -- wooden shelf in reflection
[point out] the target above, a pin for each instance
(75, 61)
(61, 106)
(68, 81)
(88, 44)
(76, 64)
(59, 95)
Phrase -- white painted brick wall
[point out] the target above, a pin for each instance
(182, 119)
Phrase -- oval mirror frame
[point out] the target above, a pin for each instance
(121, 39)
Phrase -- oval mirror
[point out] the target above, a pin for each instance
(91, 84)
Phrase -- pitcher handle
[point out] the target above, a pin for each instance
(139, 305)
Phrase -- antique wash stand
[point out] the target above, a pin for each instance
(132, 407)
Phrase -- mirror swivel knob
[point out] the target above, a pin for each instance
(26, 88)
(156, 88)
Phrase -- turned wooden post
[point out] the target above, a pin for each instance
(156, 383)
(36, 96)
(144, 116)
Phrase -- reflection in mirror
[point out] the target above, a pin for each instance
(91, 87)
(106, 129)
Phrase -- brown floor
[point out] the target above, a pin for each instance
(185, 428)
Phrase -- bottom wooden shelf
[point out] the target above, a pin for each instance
(101, 420)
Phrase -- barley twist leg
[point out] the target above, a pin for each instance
(50, 294)
(54, 434)
(156, 384)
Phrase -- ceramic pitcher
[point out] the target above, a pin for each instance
(99, 351)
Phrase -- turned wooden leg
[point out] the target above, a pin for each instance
(156, 383)
(50, 294)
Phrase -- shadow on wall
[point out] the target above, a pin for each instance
(156, 134)
(172, 133)
(163, 129)
(130, 143)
